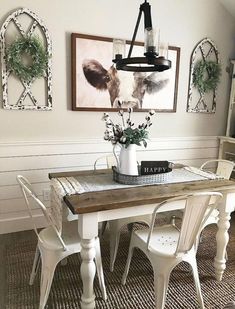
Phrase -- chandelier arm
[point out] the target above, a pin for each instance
(146, 8)
(135, 32)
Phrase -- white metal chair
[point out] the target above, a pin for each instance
(167, 245)
(107, 161)
(52, 247)
(224, 169)
(115, 226)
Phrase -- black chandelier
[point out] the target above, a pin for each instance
(152, 61)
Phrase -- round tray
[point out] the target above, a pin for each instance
(140, 179)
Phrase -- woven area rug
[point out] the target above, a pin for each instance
(17, 252)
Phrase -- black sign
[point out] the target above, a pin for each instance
(154, 167)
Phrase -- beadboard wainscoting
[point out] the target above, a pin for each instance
(35, 160)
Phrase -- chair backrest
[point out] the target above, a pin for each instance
(29, 196)
(224, 167)
(195, 215)
(109, 160)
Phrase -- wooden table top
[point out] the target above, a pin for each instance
(129, 197)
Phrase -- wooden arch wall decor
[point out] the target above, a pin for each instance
(199, 102)
(17, 93)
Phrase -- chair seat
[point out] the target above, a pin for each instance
(69, 234)
(164, 239)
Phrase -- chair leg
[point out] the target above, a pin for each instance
(226, 255)
(103, 228)
(64, 262)
(114, 242)
(161, 281)
(173, 218)
(128, 262)
(35, 267)
(193, 264)
(197, 242)
(47, 274)
(130, 227)
(99, 269)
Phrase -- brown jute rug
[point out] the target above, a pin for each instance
(16, 257)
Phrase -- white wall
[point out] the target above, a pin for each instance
(229, 5)
(27, 138)
(182, 22)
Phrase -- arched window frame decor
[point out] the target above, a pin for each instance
(19, 104)
(204, 51)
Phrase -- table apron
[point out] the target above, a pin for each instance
(135, 211)
(88, 222)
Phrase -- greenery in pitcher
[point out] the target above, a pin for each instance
(126, 133)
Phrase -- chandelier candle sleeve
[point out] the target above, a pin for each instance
(119, 48)
(151, 41)
(163, 49)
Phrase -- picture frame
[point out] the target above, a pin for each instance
(98, 86)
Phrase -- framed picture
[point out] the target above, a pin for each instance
(98, 86)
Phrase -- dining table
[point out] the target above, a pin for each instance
(92, 197)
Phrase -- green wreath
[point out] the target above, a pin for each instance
(206, 75)
(32, 49)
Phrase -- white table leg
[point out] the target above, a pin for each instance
(222, 236)
(88, 231)
(222, 239)
(88, 270)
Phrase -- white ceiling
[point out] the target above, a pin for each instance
(230, 6)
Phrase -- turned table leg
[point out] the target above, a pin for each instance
(222, 236)
(88, 231)
(222, 239)
(88, 270)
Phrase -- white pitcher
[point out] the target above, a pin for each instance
(126, 159)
